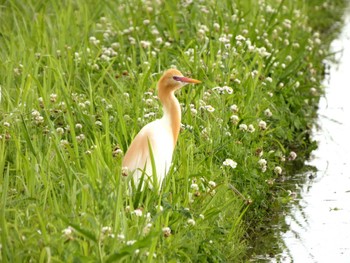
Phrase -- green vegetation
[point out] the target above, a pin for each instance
(78, 81)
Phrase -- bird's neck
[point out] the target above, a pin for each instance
(171, 112)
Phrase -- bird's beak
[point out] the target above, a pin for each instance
(187, 80)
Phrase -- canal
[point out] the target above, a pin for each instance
(319, 225)
(316, 228)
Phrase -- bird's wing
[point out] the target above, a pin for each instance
(138, 157)
(137, 153)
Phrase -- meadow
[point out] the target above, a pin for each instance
(78, 81)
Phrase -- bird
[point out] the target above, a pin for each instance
(156, 141)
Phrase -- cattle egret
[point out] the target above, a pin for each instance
(158, 138)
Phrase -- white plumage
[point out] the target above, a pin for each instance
(160, 134)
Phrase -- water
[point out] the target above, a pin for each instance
(319, 224)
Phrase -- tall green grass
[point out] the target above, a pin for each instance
(78, 81)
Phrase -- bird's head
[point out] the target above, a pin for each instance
(173, 79)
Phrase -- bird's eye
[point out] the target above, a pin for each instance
(177, 78)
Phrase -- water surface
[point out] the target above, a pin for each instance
(319, 225)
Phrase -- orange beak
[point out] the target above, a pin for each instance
(187, 80)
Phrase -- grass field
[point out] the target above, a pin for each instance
(78, 81)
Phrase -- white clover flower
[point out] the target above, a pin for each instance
(138, 212)
(60, 130)
(103, 19)
(132, 41)
(166, 231)
(106, 229)
(201, 216)
(296, 45)
(105, 58)
(7, 124)
(159, 208)
(209, 108)
(263, 52)
(145, 44)
(149, 102)
(39, 119)
(230, 162)
(98, 123)
(95, 67)
(240, 38)
(216, 26)
(313, 91)
(251, 48)
(234, 119)
(287, 23)
(130, 242)
(262, 162)
(81, 105)
(262, 125)
(92, 40)
(317, 41)
(254, 73)
(125, 171)
(191, 222)
(68, 232)
(159, 40)
(147, 228)
(53, 97)
(64, 143)
(224, 38)
(193, 111)
(220, 90)
(278, 170)
(155, 31)
(251, 128)
(212, 184)
(121, 236)
(149, 115)
(201, 32)
(228, 90)
(268, 112)
(263, 165)
(117, 152)
(269, 79)
(243, 127)
(234, 108)
(106, 35)
(292, 156)
(62, 105)
(115, 45)
(80, 137)
(194, 187)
